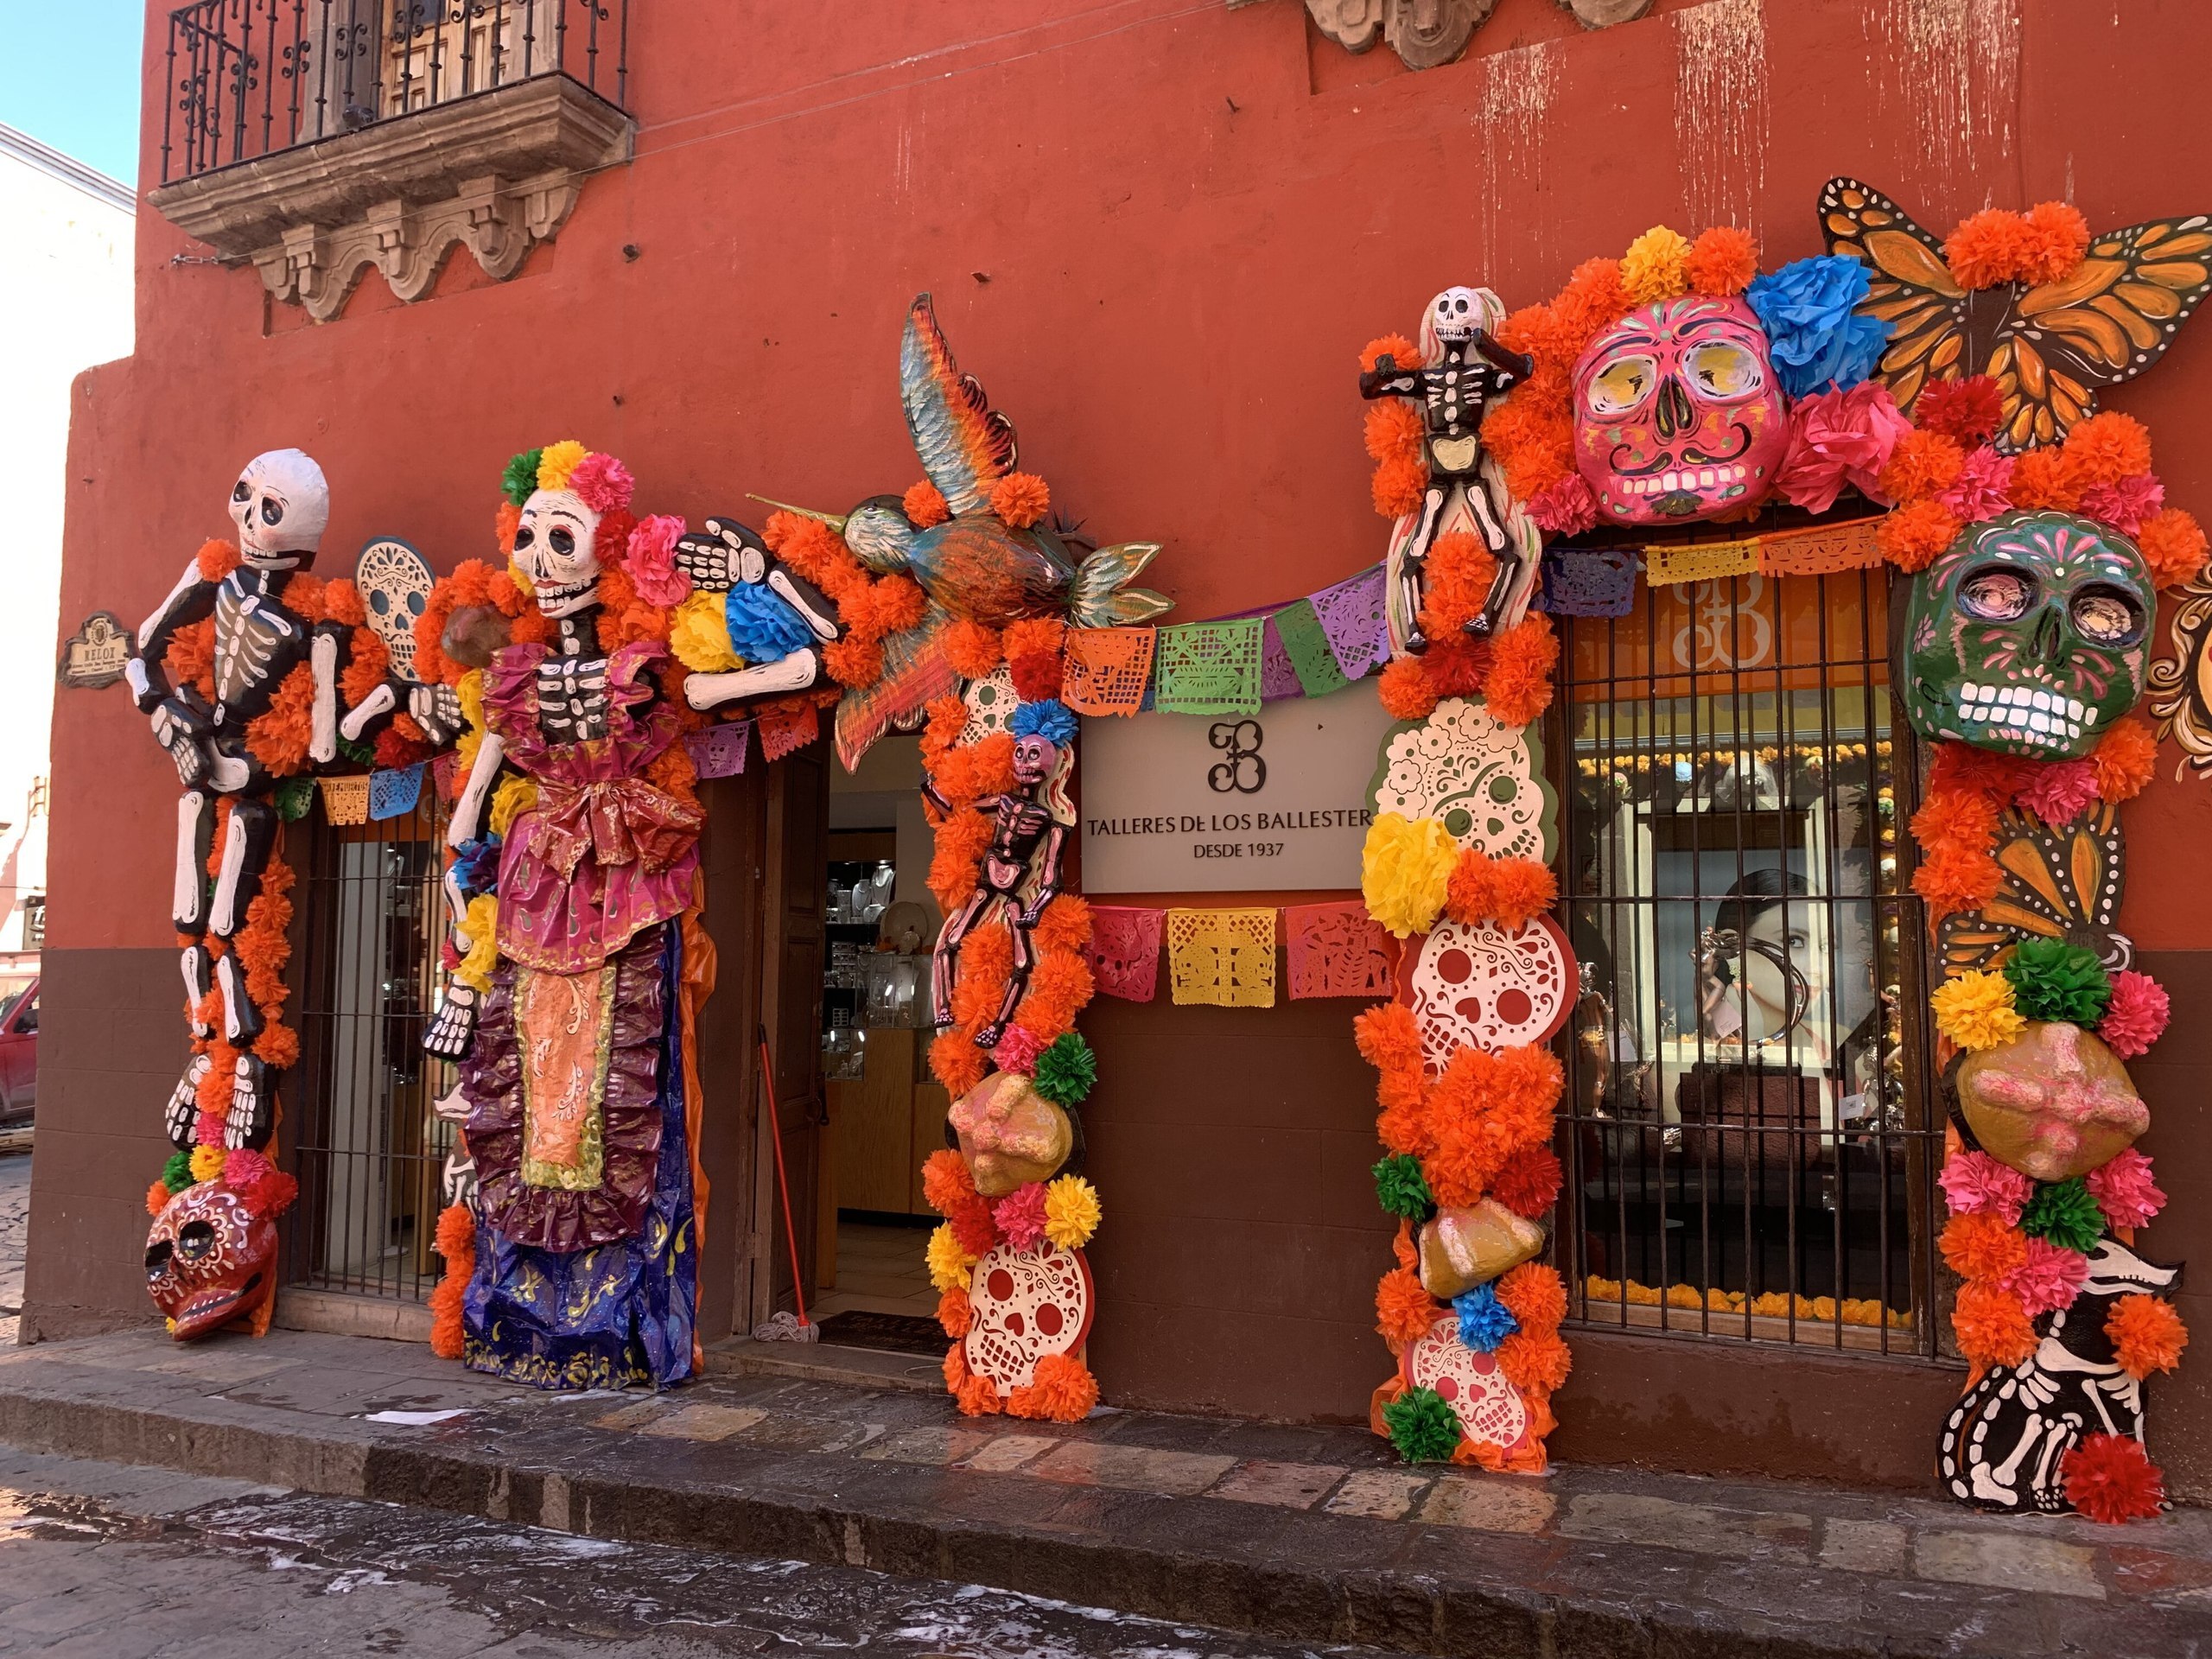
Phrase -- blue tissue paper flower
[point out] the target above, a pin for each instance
(1049, 718)
(1819, 339)
(1483, 1320)
(476, 866)
(763, 628)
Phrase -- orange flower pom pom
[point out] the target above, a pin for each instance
(1406, 689)
(157, 1198)
(1722, 261)
(2124, 757)
(946, 1180)
(1397, 487)
(1402, 1124)
(960, 844)
(1956, 880)
(1065, 924)
(504, 522)
(278, 738)
(1403, 1310)
(972, 649)
(955, 1314)
(2173, 546)
(1061, 1391)
(1400, 350)
(2104, 448)
(1534, 1364)
(1912, 536)
(217, 559)
(1521, 659)
(956, 1062)
(1457, 665)
(1393, 430)
(1528, 1183)
(1923, 464)
(1534, 1295)
(341, 603)
(1021, 499)
(456, 1242)
(853, 662)
(979, 1397)
(1983, 1247)
(1990, 247)
(1460, 570)
(2058, 236)
(2045, 478)
(925, 505)
(278, 1046)
(1388, 1037)
(1521, 888)
(1059, 986)
(1993, 1325)
(2147, 1334)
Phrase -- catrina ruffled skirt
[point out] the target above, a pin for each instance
(586, 1247)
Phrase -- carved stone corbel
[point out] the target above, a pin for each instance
(490, 222)
(1425, 33)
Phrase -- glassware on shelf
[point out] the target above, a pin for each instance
(844, 1054)
(898, 996)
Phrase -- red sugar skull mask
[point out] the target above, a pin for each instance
(1677, 412)
(210, 1257)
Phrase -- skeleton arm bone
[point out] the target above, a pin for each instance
(469, 806)
(1511, 366)
(191, 600)
(1048, 887)
(1387, 379)
(326, 659)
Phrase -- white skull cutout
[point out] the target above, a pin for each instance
(1026, 1304)
(395, 583)
(1487, 987)
(281, 505)
(991, 702)
(1453, 316)
(556, 546)
(1489, 1408)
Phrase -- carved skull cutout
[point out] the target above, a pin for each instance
(2028, 636)
(1484, 986)
(556, 546)
(1489, 1408)
(1678, 415)
(210, 1258)
(281, 505)
(1455, 315)
(1026, 1304)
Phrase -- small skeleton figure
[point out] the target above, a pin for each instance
(1467, 368)
(778, 621)
(1029, 828)
(2004, 1441)
(279, 504)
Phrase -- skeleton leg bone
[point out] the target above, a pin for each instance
(199, 979)
(252, 1117)
(195, 834)
(796, 672)
(242, 1021)
(245, 855)
(1017, 986)
(945, 960)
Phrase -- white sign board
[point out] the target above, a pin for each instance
(1275, 801)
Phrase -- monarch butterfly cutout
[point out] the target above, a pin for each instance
(2062, 883)
(2048, 348)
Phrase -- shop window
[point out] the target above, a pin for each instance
(1751, 1151)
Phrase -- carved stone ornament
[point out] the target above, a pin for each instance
(497, 172)
(96, 654)
(1427, 33)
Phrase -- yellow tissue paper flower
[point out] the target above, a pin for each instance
(1656, 266)
(557, 461)
(948, 1263)
(1977, 1011)
(206, 1163)
(699, 635)
(480, 921)
(1404, 869)
(515, 796)
(1070, 1212)
(520, 577)
(470, 690)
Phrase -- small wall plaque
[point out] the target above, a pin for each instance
(95, 655)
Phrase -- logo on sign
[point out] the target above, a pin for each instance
(1241, 768)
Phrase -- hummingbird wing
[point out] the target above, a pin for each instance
(965, 445)
(914, 674)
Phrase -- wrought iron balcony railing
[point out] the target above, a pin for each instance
(248, 79)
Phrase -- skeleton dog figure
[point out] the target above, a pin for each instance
(2006, 1439)
(262, 703)
(1465, 367)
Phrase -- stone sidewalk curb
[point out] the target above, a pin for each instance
(672, 1469)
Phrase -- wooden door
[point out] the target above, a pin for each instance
(793, 893)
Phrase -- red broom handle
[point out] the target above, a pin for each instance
(776, 1130)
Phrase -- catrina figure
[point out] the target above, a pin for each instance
(1461, 368)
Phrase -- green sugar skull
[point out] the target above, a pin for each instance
(2028, 636)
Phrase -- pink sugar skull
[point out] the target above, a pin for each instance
(1677, 412)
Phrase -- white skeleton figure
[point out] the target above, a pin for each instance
(280, 505)
(2005, 1440)
(728, 556)
(1466, 368)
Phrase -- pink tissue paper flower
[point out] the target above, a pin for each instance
(652, 560)
(2051, 1278)
(1838, 438)
(602, 483)
(1021, 1216)
(2059, 792)
(2125, 1191)
(1975, 1184)
(1017, 1050)
(1568, 508)
(1979, 490)
(2136, 1016)
(2127, 504)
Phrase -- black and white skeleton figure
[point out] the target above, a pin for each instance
(723, 556)
(279, 504)
(1466, 368)
(2006, 1439)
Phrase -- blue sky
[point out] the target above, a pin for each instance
(69, 78)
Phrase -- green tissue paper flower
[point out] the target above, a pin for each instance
(1422, 1427)
(2053, 980)
(176, 1174)
(2066, 1214)
(520, 479)
(1402, 1189)
(1065, 1070)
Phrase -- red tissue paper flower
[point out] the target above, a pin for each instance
(2109, 1477)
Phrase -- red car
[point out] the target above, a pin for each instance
(19, 1058)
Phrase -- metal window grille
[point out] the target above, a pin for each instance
(249, 78)
(368, 1149)
(1750, 1148)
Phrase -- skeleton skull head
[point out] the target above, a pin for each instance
(1677, 412)
(210, 1258)
(281, 505)
(1035, 758)
(1454, 315)
(556, 546)
(2028, 636)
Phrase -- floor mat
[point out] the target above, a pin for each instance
(898, 1333)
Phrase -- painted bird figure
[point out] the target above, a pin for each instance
(973, 565)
